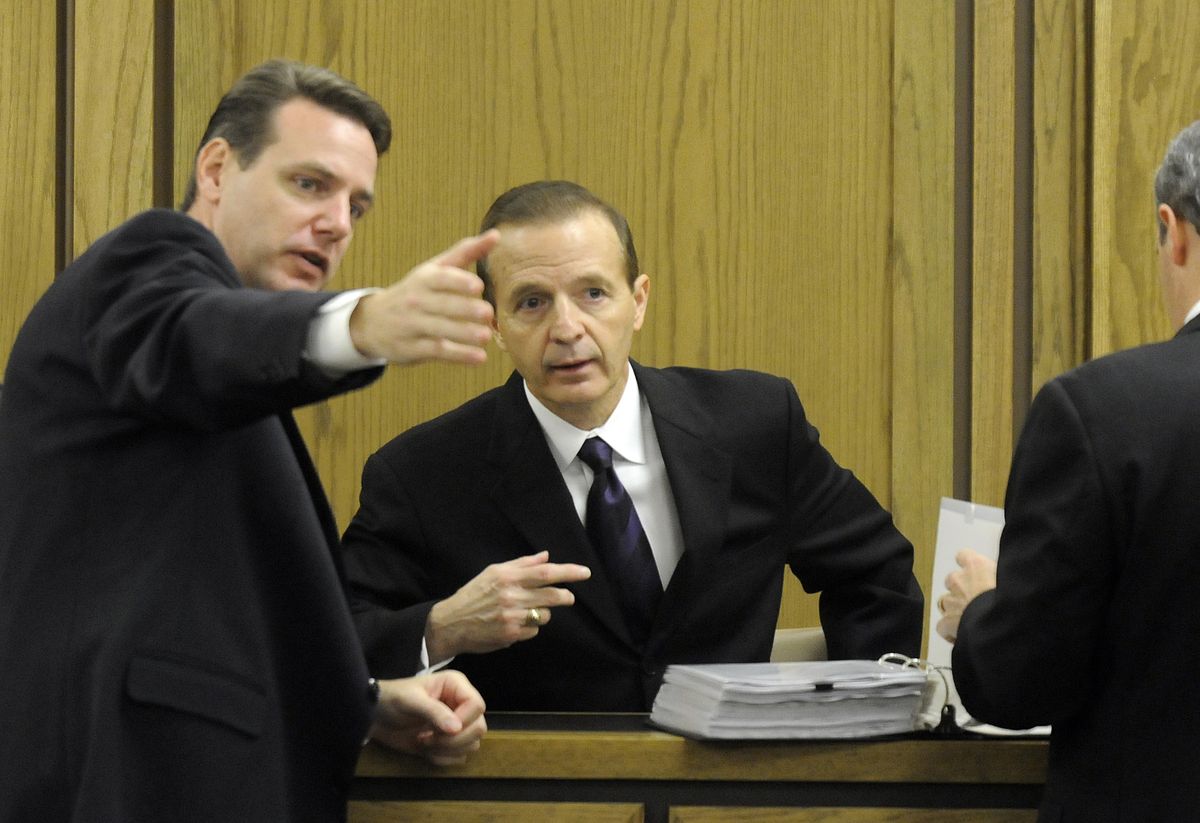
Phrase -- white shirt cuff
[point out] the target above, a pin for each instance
(425, 667)
(329, 345)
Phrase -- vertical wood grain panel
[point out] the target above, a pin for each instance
(27, 144)
(1101, 173)
(113, 108)
(1061, 276)
(992, 279)
(923, 261)
(1147, 89)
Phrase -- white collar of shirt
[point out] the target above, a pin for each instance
(1195, 310)
(638, 463)
(622, 430)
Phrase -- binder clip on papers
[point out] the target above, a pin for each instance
(937, 712)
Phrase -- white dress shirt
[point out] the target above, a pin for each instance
(637, 460)
(329, 345)
(1192, 312)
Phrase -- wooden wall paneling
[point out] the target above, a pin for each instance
(1147, 88)
(112, 115)
(923, 81)
(1062, 206)
(992, 270)
(1101, 173)
(27, 142)
(771, 240)
(818, 268)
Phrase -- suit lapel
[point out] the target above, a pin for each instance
(700, 476)
(529, 490)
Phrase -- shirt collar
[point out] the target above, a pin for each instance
(622, 430)
(1192, 312)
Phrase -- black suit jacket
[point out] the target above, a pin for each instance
(174, 639)
(755, 492)
(1094, 625)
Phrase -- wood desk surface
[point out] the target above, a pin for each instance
(622, 747)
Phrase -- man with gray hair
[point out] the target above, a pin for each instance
(1089, 621)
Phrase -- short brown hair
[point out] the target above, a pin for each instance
(244, 115)
(552, 201)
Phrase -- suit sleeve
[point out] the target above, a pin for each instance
(388, 598)
(845, 546)
(1026, 651)
(172, 336)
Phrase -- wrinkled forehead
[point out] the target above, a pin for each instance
(305, 132)
(583, 243)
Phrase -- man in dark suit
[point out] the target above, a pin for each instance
(1089, 621)
(175, 644)
(449, 553)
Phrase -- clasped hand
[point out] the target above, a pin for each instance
(438, 716)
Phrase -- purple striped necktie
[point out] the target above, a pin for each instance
(617, 536)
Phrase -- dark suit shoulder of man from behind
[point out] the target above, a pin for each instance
(1087, 621)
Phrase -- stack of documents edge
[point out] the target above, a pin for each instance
(828, 699)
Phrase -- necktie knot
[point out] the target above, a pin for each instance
(596, 453)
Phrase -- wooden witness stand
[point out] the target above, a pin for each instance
(610, 768)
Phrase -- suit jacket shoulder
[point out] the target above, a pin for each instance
(1097, 578)
(157, 318)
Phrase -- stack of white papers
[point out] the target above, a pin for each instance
(832, 699)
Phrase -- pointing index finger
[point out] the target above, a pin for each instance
(469, 249)
(550, 573)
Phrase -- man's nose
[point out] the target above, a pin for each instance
(566, 323)
(335, 219)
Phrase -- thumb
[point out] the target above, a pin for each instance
(437, 714)
(469, 249)
(409, 698)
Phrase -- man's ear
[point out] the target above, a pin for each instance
(1176, 234)
(211, 163)
(641, 297)
(496, 335)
